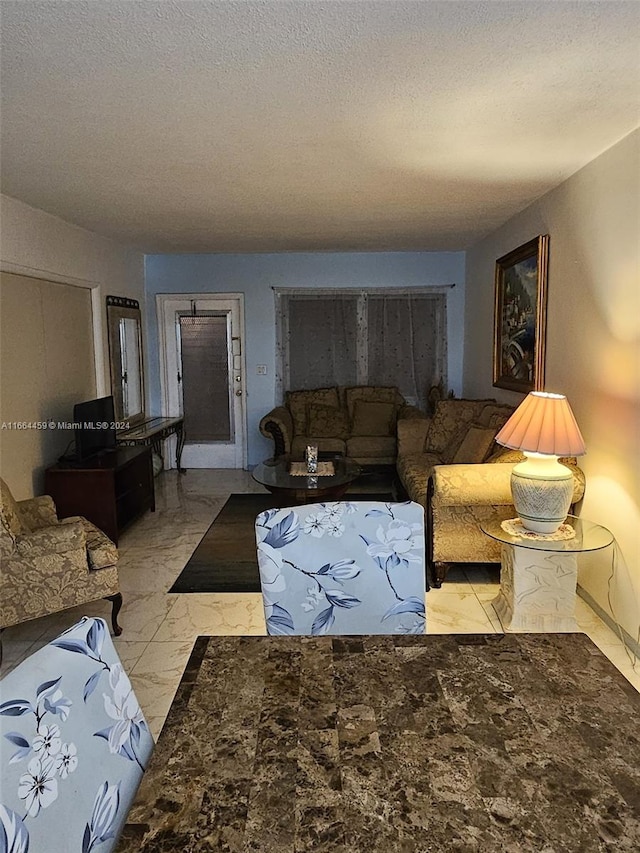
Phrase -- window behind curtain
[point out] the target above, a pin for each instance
(362, 337)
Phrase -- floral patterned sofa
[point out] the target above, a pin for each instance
(50, 564)
(451, 465)
(358, 421)
(74, 744)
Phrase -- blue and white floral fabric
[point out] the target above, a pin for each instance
(343, 568)
(74, 745)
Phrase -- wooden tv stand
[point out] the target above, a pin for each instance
(111, 490)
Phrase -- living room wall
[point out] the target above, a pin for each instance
(593, 330)
(44, 247)
(255, 275)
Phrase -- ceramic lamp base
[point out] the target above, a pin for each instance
(542, 489)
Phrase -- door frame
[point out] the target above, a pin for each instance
(161, 300)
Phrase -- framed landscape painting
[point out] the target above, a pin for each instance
(519, 323)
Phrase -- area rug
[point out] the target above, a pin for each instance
(225, 560)
(395, 744)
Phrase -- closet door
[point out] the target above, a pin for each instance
(46, 366)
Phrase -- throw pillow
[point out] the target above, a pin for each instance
(476, 445)
(371, 394)
(327, 422)
(297, 402)
(371, 418)
(495, 415)
(447, 454)
(449, 424)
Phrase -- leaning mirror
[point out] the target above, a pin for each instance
(125, 355)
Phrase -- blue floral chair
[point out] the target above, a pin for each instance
(74, 746)
(343, 568)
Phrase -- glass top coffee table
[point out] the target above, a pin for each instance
(274, 475)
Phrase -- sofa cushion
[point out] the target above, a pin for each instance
(297, 402)
(411, 434)
(448, 424)
(371, 446)
(495, 415)
(327, 421)
(476, 445)
(447, 455)
(373, 418)
(372, 394)
(10, 515)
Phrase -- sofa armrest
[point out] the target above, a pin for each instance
(278, 425)
(485, 484)
(101, 551)
(58, 539)
(38, 512)
(412, 433)
(472, 485)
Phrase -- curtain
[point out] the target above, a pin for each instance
(322, 342)
(362, 337)
(406, 342)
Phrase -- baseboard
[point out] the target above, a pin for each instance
(632, 645)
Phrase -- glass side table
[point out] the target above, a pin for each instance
(538, 576)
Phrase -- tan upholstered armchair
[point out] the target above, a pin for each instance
(49, 564)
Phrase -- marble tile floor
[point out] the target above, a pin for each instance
(159, 629)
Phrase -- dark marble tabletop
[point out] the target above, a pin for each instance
(524, 743)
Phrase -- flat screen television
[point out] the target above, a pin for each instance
(94, 426)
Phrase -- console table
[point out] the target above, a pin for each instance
(538, 576)
(152, 433)
(111, 490)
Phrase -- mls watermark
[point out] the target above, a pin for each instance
(66, 425)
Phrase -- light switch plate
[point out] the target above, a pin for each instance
(261, 369)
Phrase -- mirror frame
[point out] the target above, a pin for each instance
(121, 308)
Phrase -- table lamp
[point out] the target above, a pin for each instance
(542, 427)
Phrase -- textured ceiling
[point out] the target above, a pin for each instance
(291, 126)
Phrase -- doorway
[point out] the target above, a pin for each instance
(202, 375)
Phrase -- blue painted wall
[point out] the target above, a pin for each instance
(255, 275)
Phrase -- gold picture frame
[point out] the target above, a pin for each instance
(519, 324)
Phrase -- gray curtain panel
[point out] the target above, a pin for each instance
(362, 337)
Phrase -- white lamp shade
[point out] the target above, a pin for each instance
(543, 423)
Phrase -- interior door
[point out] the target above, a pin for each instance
(204, 377)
